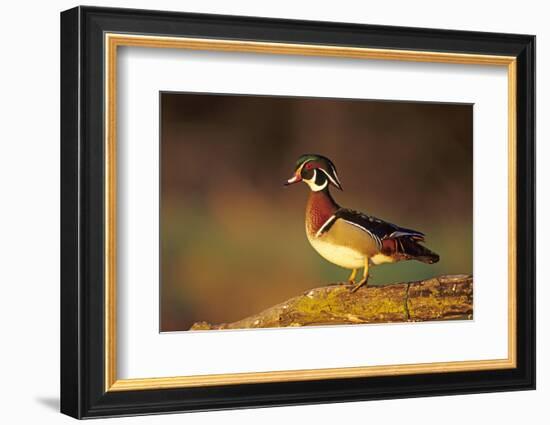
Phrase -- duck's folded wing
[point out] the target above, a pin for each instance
(377, 228)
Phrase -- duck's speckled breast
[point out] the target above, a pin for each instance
(320, 207)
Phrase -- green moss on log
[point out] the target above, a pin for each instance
(440, 298)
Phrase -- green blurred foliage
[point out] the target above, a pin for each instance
(232, 237)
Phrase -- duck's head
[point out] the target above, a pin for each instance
(316, 171)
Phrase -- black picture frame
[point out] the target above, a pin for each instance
(83, 392)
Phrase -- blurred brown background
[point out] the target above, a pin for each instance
(232, 237)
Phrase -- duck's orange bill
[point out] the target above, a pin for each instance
(293, 179)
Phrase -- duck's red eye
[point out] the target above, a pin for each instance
(308, 166)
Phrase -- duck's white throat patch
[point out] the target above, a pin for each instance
(313, 186)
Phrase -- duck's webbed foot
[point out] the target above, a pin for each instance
(365, 276)
(362, 282)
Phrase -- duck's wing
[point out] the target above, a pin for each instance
(375, 227)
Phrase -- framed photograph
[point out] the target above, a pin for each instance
(261, 212)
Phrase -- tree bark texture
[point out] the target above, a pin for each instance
(447, 297)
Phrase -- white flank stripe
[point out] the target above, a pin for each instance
(325, 224)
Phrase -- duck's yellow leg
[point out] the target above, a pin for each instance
(365, 276)
(351, 278)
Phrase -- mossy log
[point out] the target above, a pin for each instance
(447, 297)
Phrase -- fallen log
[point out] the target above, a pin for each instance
(448, 297)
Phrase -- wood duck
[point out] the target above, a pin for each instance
(349, 238)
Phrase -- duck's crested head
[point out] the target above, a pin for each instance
(317, 171)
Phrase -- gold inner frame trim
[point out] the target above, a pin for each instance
(113, 41)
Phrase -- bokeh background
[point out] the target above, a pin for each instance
(232, 236)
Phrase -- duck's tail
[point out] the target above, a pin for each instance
(409, 248)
